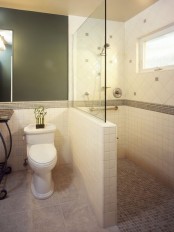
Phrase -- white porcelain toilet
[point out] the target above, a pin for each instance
(42, 158)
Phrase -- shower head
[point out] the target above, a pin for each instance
(102, 53)
(106, 45)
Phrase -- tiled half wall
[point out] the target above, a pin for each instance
(93, 145)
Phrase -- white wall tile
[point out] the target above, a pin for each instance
(150, 142)
(23, 117)
(91, 149)
(144, 84)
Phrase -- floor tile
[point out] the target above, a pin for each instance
(18, 182)
(15, 203)
(67, 210)
(78, 217)
(144, 204)
(16, 222)
(48, 219)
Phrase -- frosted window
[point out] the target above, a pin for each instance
(157, 50)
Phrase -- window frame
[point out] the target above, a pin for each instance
(141, 51)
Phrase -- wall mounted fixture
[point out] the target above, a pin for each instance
(103, 52)
(117, 92)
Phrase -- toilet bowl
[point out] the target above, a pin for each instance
(42, 158)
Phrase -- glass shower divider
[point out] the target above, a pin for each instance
(89, 64)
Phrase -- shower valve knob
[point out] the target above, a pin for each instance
(117, 92)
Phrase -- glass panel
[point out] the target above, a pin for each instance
(89, 64)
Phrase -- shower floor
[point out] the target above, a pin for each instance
(144, 204)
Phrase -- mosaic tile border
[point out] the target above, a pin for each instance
(166, 109)
(32, 105)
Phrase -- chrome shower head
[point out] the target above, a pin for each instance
(107, 45)
(102, 53)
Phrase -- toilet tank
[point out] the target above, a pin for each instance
(41, 135)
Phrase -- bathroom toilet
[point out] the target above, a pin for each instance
(42, 158)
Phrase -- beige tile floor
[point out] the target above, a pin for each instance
(144, 205)
(67, 210)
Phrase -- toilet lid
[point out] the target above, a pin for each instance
(42, 153)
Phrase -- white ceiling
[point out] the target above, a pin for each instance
(120, 10)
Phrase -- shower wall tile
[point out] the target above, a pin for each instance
(149, 142)
(115, 58)
(74, 23)
(145, 137)
(110, 175)
(87, 61)
(118, 117)
(89, 64)
(23, 117)
(143, 86)
(93, 144)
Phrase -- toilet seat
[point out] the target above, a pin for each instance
(42, 154)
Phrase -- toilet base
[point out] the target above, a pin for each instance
(42, 186)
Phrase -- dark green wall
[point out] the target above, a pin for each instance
(40, 54)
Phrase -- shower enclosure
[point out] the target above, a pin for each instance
(89, 64)
(138, 45)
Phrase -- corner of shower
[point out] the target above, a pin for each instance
(89, 64)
